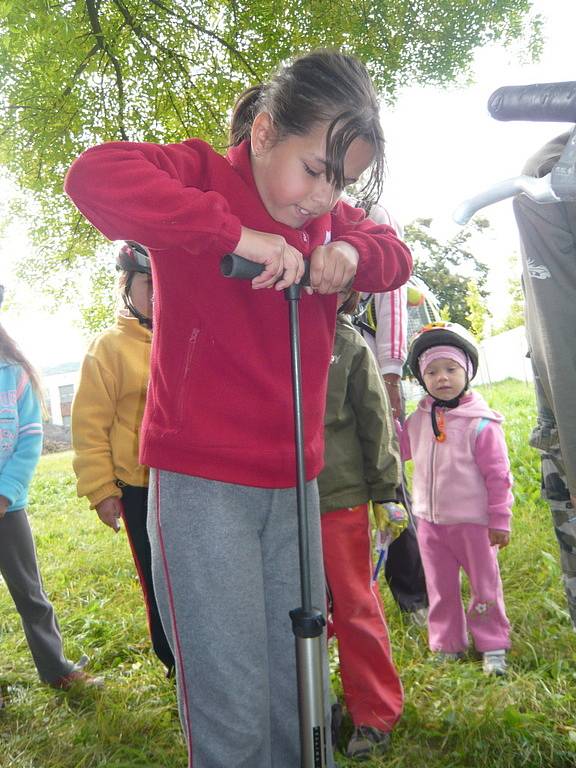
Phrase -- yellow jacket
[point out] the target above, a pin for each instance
(107, 411)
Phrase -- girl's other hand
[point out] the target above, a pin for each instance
(393, 386)
(4, 504)
(109, 511)
(283, 264)
(498, 538)
(333, 267)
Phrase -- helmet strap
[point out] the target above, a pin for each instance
(438, 421)
(142, 319)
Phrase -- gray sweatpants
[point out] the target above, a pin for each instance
(19, 569)
(226, 574)
(555, 490)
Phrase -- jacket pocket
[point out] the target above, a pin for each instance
(189, 370)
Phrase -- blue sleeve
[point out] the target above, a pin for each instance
(17, 471)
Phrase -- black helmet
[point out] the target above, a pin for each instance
(132, 257)
(437, 334)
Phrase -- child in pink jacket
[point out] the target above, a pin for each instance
(461, 496)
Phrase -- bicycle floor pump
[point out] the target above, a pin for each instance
(307, 622)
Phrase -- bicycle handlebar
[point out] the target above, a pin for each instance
(544, 102)
(537, 189)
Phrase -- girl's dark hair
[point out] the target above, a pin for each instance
(322, 87)
(350, 305)
(10, 352)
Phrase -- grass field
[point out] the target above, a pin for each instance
(455, 717)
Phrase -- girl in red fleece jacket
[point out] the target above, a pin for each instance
(218, 429)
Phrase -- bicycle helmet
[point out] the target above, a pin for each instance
(131, 257)
(438, 334)
(441, 334)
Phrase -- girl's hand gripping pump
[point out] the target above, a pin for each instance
(307, 622)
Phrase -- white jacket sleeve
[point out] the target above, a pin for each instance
(390, 346)
(391, 325)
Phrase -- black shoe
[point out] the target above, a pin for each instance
(336, 722)
(367, 742)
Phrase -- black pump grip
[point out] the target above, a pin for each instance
(236, 266)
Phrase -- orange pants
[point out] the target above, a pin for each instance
(372, 689)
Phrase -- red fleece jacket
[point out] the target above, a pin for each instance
(219, 403)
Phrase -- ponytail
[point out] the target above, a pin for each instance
(245, 110)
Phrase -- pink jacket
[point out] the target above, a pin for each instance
(466, 478)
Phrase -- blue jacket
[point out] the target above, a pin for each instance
(20, 434)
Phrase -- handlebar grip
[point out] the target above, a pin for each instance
(236, 266)
(543, 102)
(240, 268)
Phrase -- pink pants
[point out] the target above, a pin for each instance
(372, 688)
(445, 549)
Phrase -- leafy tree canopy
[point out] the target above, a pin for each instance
(78, 72)
(449, 267)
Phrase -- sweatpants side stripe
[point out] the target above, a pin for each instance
(175, 633)
(375, 592)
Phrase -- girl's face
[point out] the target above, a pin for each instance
(444, 378)
(290, 175)
(141, 293)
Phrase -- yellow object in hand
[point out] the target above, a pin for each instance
(391, 518)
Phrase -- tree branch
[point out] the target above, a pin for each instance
(102, 45)
(213, 35)
(142, 34)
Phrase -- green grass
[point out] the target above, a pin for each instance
(455, 717)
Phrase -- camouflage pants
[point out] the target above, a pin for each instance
(555, 490)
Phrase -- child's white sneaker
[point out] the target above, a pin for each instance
(494, 663)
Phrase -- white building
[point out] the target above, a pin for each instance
(60, 384)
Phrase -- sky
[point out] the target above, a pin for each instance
(442, 147)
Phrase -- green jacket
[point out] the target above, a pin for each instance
(362, 461)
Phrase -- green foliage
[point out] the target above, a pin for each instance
(99, 312)
(477, 310)
(454, 716)
(515, 316)
(79, 72)
(449, 267)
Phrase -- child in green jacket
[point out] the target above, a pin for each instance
(362, 465)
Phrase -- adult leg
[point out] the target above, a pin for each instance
(372, 688)
(135, 505)
(19, 569)
(548, 247)
(555, 491)
(486, 615)
(446, 619)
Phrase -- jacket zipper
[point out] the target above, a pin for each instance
(431, 481)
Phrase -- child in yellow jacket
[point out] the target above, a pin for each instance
(106, 416)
